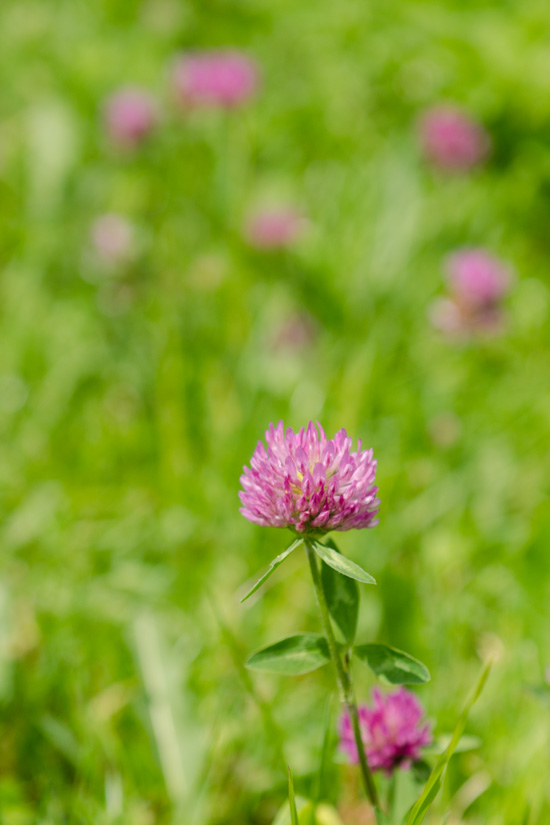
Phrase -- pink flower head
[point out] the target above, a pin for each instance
(130, 116)
(478, 282)
(112, 237)
(215, 79)
(274, 228)
(477, 278)
(392, 731)
(308, 483)
(452, 140)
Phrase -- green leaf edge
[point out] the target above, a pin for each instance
(394, 650)
(292, 636)
(278, 560)
(292, 799)
(330, 557)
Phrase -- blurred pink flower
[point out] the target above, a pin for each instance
(307, 482)
(477, 278)
(274, 228)
(478, 283)
(112, 237)
(392, 731)
(131, 114)
(452, 140)
(223, 79)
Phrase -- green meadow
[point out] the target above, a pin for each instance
(132, 394)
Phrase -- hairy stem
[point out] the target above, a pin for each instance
(343, 677)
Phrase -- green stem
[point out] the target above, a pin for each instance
(391, 794)
(343, 677)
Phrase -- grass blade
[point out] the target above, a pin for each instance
(325, 751)
(420, 807)
(292, 799)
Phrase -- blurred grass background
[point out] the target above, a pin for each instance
(130, 400)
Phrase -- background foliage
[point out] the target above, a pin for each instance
(130, 400)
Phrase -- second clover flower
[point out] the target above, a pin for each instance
(310, 483)
(392, 730)
(478, 283)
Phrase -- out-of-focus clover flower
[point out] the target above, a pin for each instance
(224, 79)
(392, 730)
(112, 238)
(310, 483)
(130, 114)
(478, 283)
(452, 140)
(477, 278)
(274, 228)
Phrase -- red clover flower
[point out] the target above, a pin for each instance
(478, 283)
(392, 731)
(452, 140)
(477, 278)
(310, 483)
(217, 79)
